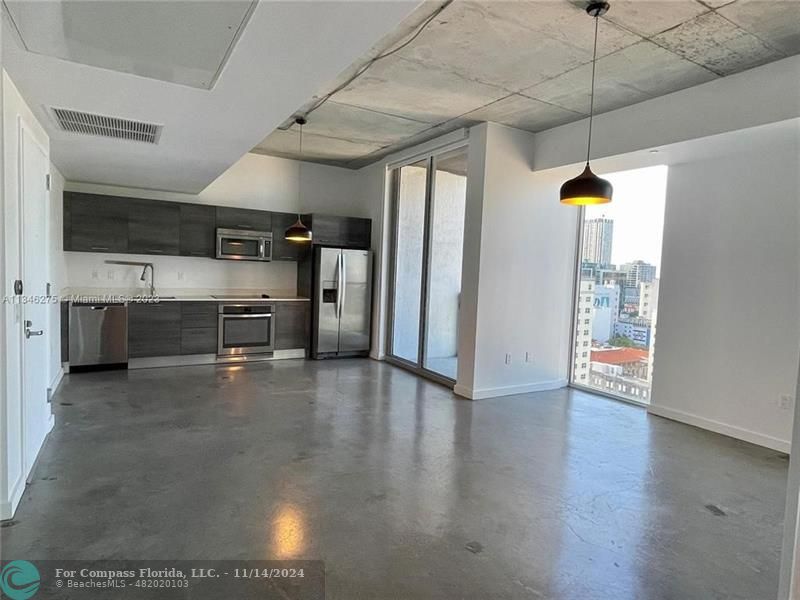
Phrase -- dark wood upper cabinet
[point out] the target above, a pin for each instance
(244, 218)
(282, 249)
(99, 223)
(198, 236)
(95, 223)
(154, 227)
(349, 232)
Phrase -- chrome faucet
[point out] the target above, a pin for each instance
(152, 277)
(146, 265)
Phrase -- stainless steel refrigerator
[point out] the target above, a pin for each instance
(342, 302)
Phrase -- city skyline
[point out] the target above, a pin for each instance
(638, 214)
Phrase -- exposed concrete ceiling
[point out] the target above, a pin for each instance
(527, 64)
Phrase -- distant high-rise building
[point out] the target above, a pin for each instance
(611, 276)
(583, 331)
(598, 236)
(605, 312)
(638, 272)
(648, 298)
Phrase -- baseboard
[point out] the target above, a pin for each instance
(738, 433)
(509, 390)
(194, 360)
(56, 381)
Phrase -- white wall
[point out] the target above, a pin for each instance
(525, 269)
(256, 181)
(13, 464)
(729, 318)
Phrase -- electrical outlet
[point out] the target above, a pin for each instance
(785, 402)
(180, 275)
(110, 275)
(528, 357)
(508, 358)
(95, 275)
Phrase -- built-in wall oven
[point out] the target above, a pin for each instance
(245, 328)
(243, 244)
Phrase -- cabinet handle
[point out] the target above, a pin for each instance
(101, 248)
(198, 253)
(243, 226)
(155, 251)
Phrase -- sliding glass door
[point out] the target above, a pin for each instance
(410, 201)
(429, 207)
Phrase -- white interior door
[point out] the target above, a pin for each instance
(33, 199)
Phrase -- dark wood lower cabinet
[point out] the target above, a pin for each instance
(154, 329)
(174, 328)
(291, 325)
(198, 315)
(200, 340)
(198, 327)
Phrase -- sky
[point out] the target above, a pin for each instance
(638, 212)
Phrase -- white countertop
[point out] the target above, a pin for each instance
(176, 295)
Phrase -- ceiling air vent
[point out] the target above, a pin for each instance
(112, 127)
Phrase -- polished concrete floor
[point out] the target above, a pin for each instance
(402, 489)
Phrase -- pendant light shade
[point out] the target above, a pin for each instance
(299, 232)
(587, 188)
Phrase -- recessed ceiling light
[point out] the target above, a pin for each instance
(654, 151)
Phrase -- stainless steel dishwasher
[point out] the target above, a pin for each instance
(98, 334)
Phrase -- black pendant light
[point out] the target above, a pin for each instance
(299, 232)
(588, 188)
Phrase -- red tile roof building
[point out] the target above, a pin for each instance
(619, 356)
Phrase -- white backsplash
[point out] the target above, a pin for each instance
(89, 270)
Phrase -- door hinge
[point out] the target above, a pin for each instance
(47, 181)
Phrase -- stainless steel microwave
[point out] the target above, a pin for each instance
(243, 244)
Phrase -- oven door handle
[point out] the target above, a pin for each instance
(250, 316)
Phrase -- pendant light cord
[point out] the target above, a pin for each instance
(299, 166)
(591, 101)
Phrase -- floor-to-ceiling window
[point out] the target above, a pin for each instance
(619, 270)
(429, 200)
